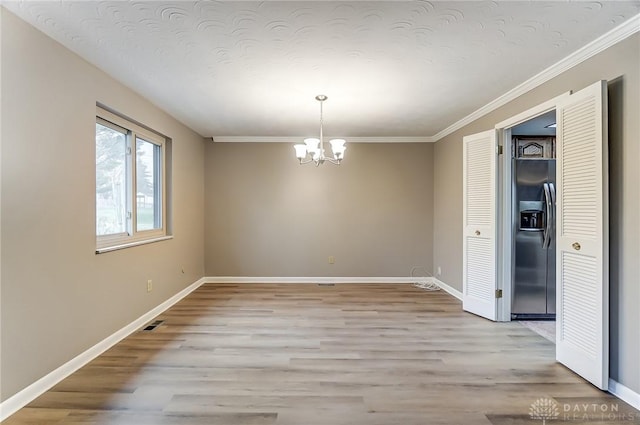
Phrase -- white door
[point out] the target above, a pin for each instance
(582, 326)
(479, 218)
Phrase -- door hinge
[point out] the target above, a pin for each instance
(498, 293)
(499, 149)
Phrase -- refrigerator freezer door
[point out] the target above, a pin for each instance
(530, 271)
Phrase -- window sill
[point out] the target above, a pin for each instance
(131, 244)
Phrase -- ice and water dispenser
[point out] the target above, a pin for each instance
(532, 217)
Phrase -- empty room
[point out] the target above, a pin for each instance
(319, 212)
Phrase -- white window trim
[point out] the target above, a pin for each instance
(133, 237)
(129, 245)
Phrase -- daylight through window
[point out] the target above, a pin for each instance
(130, 182)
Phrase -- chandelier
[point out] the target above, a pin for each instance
(313, 149)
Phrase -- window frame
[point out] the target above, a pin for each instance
(132, 236)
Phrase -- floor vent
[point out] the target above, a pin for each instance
(326, 284)
(153, 325)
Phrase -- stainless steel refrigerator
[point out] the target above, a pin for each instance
(534, 244)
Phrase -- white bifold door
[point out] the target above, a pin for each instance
(582, 274)
(479, 228)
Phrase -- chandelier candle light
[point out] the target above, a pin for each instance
(313, 149)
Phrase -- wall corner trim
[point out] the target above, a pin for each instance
(625, 394)
(30, 393)
(449, 289)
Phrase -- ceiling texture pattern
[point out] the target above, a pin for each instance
(389, 68)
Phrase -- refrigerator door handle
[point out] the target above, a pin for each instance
(552, 211)
(547, 228)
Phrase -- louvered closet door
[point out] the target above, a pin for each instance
(479, 207)
(582, 237)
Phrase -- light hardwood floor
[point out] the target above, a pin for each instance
(370, 354)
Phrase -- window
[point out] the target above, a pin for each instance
(130, 183)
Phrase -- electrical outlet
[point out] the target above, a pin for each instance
(332, 259)
(439, 272)
(149, 285)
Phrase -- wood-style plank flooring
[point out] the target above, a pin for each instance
(302, 354)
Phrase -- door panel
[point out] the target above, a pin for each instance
(479, 216)
(582, 237)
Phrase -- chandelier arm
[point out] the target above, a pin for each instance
(312, 146)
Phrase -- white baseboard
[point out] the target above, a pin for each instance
(30, 393)
(316, 280)
(250, 279)
(624, 393)
(449, 289)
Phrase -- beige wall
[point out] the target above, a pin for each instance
(388, 208)
(268, 216)
(620, 65)
(58, 297)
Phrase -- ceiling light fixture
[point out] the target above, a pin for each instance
(313, 149)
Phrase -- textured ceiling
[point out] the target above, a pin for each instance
(396, 68)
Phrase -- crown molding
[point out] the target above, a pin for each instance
(299, 139)
(616, 35)
(621, 32)
(425, 139)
